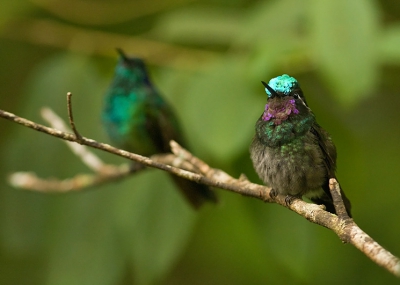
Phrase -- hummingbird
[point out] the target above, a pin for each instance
(290, 152)
(138, 119)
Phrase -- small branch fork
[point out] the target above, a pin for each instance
(71, 118)
(182, 163)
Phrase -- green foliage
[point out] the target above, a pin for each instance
(390, 40)
(11, 9)
(343, 37)
(154, 225)
(226, 117)
(208, 59)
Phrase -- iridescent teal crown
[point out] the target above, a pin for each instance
(283, 84)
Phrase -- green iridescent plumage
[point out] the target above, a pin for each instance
(290, 151)
(139, 120)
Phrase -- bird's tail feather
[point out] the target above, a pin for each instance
(326, 199)
(195, 193)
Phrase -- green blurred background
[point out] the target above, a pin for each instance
(208, 58)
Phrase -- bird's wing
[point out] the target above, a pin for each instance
(327, 147)
(329, 151)
(162, 125)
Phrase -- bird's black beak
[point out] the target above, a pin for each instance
(272, 91)
(122, 54)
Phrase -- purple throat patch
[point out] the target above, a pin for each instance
(280, 111)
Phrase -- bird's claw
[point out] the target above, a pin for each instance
(289, 199)
(273, 193)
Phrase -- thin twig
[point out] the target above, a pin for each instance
(80, 182)
(71, 117)
(88, 158)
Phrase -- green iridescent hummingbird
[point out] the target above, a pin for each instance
(139, 120)
(290, 152)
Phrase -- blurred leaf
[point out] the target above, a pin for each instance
(83, 244)
(276, 43)
(54, 77)
(48, 86)
(221, 110)
(155, 223)
(231, 232)
(290, 241)
(344, 36)
(105, 12)
(28, 150)
(198, 25)
(62, 73)
(270, 60)
(11, 9)
(23, 220)
(389, 45)
(272, 22)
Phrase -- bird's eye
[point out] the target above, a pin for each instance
(296, 95)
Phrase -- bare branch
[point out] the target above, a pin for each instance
(80, 182)
(132, 156)
(30, 181)
(337, 199)
(373, 250)
(88, 158)
(346, 229)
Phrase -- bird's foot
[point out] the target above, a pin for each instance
(289, 199)
(273, 193)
